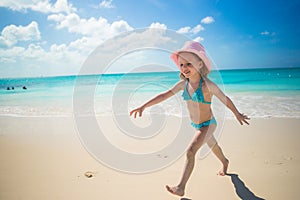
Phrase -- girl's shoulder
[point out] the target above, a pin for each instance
(180, 85)
(211, 85)
(209, 82)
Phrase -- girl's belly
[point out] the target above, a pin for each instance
(199, 112)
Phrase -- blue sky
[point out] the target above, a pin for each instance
(49, 38)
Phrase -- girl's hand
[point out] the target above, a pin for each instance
(242, 118)
(137, 111)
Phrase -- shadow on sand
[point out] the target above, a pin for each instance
(241, 189)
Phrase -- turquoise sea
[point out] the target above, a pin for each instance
(261, 93)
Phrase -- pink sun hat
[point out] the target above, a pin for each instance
(193, 47)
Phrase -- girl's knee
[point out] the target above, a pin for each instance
(212, 143)
(190, 153)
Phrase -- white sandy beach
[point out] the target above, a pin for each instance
(43, 158)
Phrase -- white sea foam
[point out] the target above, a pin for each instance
(267, 106)
(255, 106)
(258, 93)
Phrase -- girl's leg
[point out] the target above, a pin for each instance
(216, 149)
(190, 155)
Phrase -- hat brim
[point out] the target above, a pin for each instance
(201, 55)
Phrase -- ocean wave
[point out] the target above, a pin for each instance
(255, 106)
(262, 93)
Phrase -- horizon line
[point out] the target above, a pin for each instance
(142, 72)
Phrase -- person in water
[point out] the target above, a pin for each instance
(198, 91)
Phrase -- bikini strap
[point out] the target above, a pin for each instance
(201, 81)
(202, 95)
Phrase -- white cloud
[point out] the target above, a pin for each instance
(199, 39)
(158, 25)
(88, 43)
(184, 30)
(130, 46)
(265, 33)
(34, 51)
(120, 26)
(94, 31)
(7, 60)
(208, 20)
(59, 6)
(189, 30)
(63, 59)
(106, 4)
(59, 58)
(268, 33)
(11, 34)
(89, 27)
(197, 29)
(10, 55)
(58, 48)
(85, 45)
(34, 60)
(44, 6)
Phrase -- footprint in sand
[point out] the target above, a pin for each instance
(287, 157)
(279, 161)
(162, 156)
(89, 174)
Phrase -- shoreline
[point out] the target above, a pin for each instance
(150, 72)
(228, 117)
(43, 158)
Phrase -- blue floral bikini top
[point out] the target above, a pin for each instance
(197, 96)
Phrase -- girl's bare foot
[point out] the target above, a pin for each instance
(223, 172)
(175, 190)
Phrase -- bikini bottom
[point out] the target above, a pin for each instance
(203, 124)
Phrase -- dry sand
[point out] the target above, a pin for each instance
(43, 158)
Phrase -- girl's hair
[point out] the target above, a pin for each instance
(182, 76)
(203, 71)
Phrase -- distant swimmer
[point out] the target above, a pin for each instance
(24, 88)
(10, 88)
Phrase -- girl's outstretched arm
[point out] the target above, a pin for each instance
(215, 90)
(159, 98)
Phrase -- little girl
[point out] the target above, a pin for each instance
(198, 91)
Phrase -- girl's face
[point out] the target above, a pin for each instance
(189, 64)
